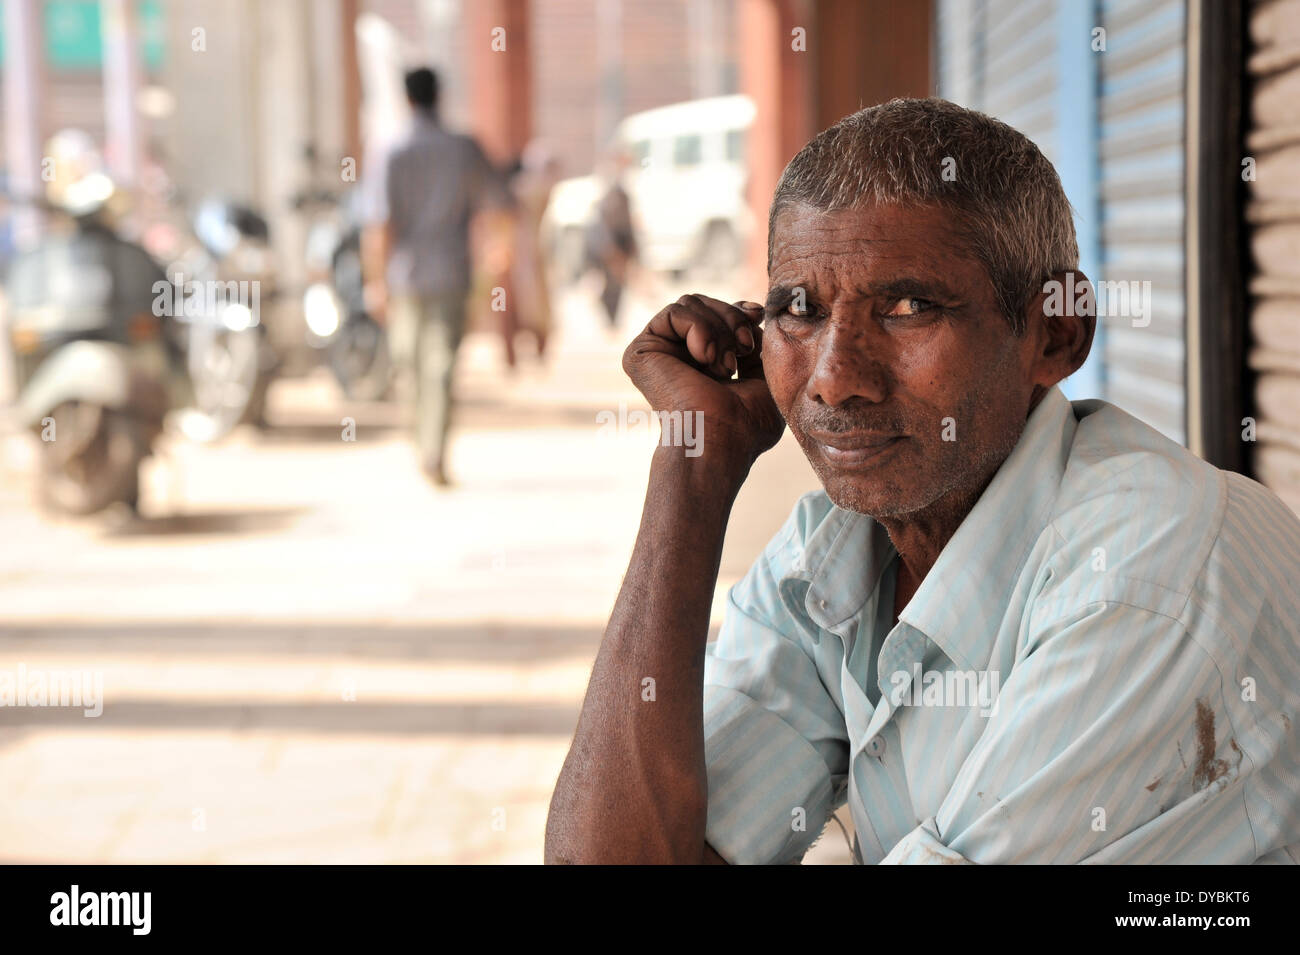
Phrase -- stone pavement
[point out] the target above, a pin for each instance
(308, 654)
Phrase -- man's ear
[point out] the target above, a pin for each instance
(1065, 316)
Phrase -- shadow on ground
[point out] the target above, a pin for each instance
(485, 642)
(382, 421)
(205, 522)
(493, 718)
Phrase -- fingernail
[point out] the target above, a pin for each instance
(729, 360)
(749, 305)
(745, 337)
(710, 352)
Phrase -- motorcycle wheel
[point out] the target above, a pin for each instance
(360, 360)
(229, 376)
(93, 462)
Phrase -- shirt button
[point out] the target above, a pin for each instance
(876, 747)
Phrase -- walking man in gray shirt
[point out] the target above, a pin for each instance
(418, 257)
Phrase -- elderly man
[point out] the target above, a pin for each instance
(1012, 628)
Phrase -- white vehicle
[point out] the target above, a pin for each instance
(570, 208)
(686, 184)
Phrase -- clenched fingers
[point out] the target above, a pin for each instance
(712, 333)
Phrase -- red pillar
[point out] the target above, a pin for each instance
(352, 144)
(777, 76)
(867, 52)
(807, 64)
(500, 73)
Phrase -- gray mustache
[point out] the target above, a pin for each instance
(840, 424)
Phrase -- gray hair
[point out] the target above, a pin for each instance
(1005, 196)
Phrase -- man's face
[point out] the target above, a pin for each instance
(900, 377)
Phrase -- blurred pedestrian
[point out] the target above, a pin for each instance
(492, 299)
(531, 186)
(611, 237)
(417, 256)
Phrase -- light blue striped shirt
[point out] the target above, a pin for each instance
(1102, 666)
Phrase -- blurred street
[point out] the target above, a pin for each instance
(311, 655)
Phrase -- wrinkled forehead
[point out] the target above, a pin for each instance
(872, 241)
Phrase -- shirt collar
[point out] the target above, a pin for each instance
(423, 120)
(977, 569)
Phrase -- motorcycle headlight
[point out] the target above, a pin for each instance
(321, 310)
(237, 317)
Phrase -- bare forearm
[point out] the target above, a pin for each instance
(633, 788)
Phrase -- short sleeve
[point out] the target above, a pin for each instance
(775, 742)
(376, 185)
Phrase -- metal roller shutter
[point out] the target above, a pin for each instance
(1142, 106)
(991, 59)
(1274, 215)
(1021, 63)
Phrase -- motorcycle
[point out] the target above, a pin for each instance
(351, 343)
(101, 342)
(233, 368)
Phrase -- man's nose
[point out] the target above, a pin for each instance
(850, 364)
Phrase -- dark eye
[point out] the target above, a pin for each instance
(800, 309)
(911, 307)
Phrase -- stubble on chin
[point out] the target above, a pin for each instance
(948, 471)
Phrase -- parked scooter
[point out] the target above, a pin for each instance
(350, 342)
(97, 370)
(100, 337)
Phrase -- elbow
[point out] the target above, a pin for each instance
(556, 849)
